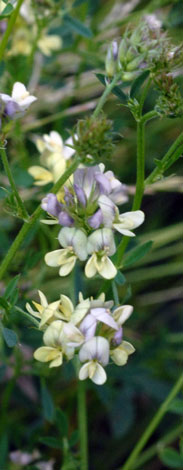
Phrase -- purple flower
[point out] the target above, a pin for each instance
(96, 219)
(117, 339)
(80, 194)
(51, 205)
(89, 324)
(65, 219)
(11, 109)
(68, 197)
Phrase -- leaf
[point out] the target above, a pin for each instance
(4, 303)
(51, 442)
(171, 458)
(10, 337)
(137, 253)
(7, 11)
(62, 422)
(116, 90)
(74, 438)
(4, 450)
(77, 26)
(120, 279)
(47, 404)
(11, 286)
(138, 82)
(176, 406)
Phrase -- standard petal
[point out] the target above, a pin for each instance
(132, 219)
(101, 315)
(31, 311)
(108, 209)
(41, 175)
(128, 347)
(123, 231)
(80, 311)
(57, 361)
(80, 244)
(119, 356)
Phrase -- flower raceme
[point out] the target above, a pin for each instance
(89, 216)
(90, 330)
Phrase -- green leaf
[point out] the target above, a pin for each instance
(137, 253)
(47, 404)
(116, 90)
(171, 458)
(62, 422)
(11, 286)
(7, 11)
(4, 303)
(4, 450)
(74, 438)
(120, 279)
(138, 82)
(176, 406)
(77, 26)
(10, 337)
(51, 442)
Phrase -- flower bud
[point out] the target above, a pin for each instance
(122, 50)
(111, 59)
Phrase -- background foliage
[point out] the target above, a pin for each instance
(32, 396)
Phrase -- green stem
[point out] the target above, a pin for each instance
(139, 183)
(148, 116)
(115, 293)
(82, 422)
(129, 464)
(32, 220)
(104, 96)
(28, 316)
(169, 158)
(22, 210)
(9, 29)
(164, 441)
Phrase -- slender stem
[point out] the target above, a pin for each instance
(82, 422)
(129, 464)
(115, 293)
(10, 26)
(22, 210)
(165, 440)
(32, 220)
(169, 158)
(139, 183)
(148, 116)
(104, 96)
(27, 315)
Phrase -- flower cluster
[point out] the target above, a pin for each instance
(15, 106)
(138, 50)
(91, 330)
(89, 216)
(54, 158)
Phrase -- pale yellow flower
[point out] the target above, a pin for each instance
(120, 354)
(60, 309)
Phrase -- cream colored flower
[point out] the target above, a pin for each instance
(95, 352)
(120, 354)
(121, 314)
(60, 309)
(101, 245)
(54, 154)
(55, 345)
(74, 242)
(49, 43)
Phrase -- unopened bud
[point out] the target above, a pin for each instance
(134, 64)
(111, 59)
(122, 50)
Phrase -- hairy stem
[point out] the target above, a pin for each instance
(104, 96)
(9, 29)
(22, 210)
(129, 464)
(33, 219)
